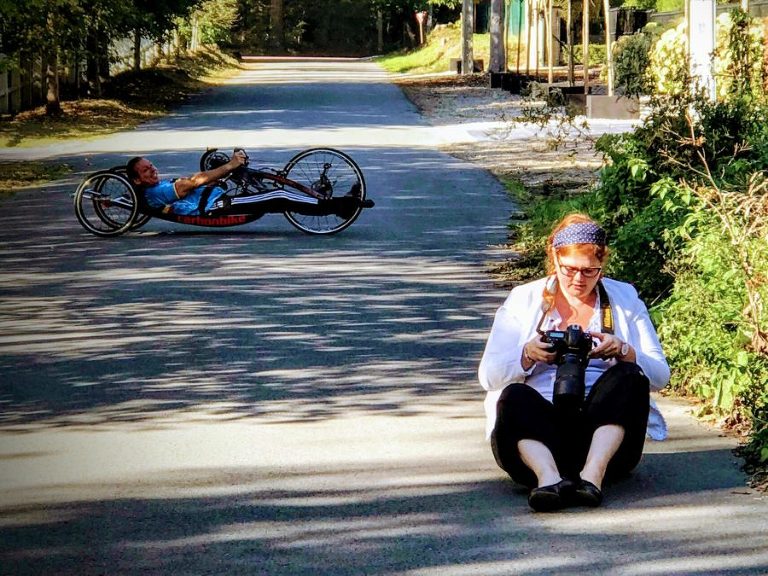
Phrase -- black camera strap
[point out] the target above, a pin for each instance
(606, 313)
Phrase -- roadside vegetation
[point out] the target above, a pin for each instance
(442, 44)
(685, 200)
(130, 98)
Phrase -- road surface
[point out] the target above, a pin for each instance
(258, 401)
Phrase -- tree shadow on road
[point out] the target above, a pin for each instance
(412, 518)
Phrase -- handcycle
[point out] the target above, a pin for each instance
(107, 203)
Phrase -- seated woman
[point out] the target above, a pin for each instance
(564, 456)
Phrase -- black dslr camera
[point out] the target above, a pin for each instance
(572, 347)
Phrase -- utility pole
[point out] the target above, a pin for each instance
(467, 28)
(701, 43)
(608, 45)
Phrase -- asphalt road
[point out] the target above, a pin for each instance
(258, 401)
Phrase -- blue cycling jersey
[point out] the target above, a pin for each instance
(163, 194)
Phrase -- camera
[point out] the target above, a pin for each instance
(572, 347)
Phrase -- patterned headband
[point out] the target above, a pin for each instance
(579, 233)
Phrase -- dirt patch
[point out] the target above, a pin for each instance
(532, 161)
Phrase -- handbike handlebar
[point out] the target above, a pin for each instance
(247, 158)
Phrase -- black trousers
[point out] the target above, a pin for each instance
(620, 396)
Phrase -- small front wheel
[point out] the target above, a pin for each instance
(212, 158)
(106, 204)
(333, 174)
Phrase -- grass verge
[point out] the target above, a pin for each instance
(443, 43)
(16, 175)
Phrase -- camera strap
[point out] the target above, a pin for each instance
(606, 314)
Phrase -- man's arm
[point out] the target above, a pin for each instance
(184, 186)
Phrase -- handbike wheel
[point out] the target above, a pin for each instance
(105, 204)
(140, 220)
(333, 173)
(213, 159)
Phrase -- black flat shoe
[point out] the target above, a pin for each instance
(552, 497)
(587, 494)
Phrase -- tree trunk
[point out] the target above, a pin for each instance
(569, 41)
(498, 56)
(379, 32)
(103, 55)
(137, 49)
(528, 25)
(277, 34)
(585, 44)
(467, 28)
(52, 98)
(550, 43)
(92, 63)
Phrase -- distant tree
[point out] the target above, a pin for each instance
(276, 28)
(48, 27)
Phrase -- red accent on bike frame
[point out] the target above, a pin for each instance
(233, 220)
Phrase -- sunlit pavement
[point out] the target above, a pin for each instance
(257, 401)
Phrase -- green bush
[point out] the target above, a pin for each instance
(632, 60)
(669, 62)
(738, 62)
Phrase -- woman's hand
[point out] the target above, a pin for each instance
(611, 346)
(535, 350)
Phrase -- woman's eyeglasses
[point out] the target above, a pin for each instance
(571, 271)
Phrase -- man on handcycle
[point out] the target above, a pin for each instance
(200, 193)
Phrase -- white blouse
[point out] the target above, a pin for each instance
(515, 324)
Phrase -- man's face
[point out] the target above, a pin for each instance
(146, 173)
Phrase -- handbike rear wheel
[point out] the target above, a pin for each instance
(140, 219)
(106, 205)
(329, 172)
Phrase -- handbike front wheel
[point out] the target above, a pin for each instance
(106, 204)
(329, 172)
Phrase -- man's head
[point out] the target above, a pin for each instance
(142, 172)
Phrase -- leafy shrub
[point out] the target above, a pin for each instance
(632, 59)
(669, 62)
(738, 62)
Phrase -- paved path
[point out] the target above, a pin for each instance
(257, 401)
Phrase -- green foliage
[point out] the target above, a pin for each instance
(714, 323)
(669, 62)
(443, 43)
(669, 5)
(632, 60)
(738, 62)
(215, 19)
(596, 55)
(685, 203)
